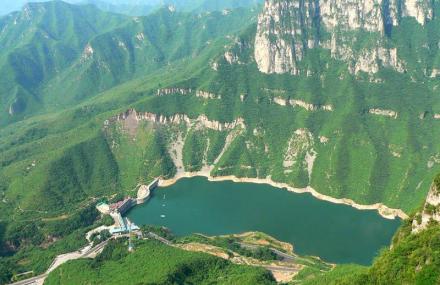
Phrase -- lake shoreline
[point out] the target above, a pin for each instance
(384, 211)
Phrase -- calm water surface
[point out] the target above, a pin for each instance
(336, 233)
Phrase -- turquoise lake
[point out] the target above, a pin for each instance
(336, 233)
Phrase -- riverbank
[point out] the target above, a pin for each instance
(384, 211)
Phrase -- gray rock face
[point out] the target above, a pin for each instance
(11, 110)
(421, 10)
(288, 28)
(282, 35)
(430, 212)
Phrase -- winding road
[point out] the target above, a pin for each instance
(91, 252)
(61, 259)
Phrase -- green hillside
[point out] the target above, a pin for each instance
(71, 75)
(37, 44)
(57, 54)
(196, 6)
(361, 156)
(154, 263)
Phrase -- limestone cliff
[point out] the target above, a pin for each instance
(421, 10)
(131, 117)
(282, 34)
(288, 28)
(430, 212)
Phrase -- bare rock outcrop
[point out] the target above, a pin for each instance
(421, 10)
(11, 111)
(207, 95)
(385, 113)
(281, 40)
(186, 91)
(370, 61)
(300, 152)
(201, 121)
(356, 14)
(300, 103)
(87, 53)
(173, 90)
(288, 29)
(430, 212)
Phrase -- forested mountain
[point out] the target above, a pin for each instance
(141, 8)
(131, 9)
(42, 60)
(36, 48)
(336, 96)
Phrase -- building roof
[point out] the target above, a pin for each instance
(118, 205)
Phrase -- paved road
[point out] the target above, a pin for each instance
(38, 280)
(159, 238)
(285, 256)
(34, 280)
(59, 260)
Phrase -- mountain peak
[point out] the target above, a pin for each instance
(29, 10)
(37, 6)
(32, 9)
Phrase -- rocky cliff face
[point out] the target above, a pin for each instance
(284, 34)
(202, 121)
(288, 28)
(421, 10)
(430, 212)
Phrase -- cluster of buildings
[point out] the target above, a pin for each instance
(123, 206)
(122, 225)
(116, 210)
